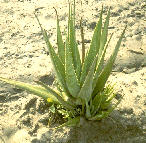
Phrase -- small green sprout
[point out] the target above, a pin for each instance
(81, 90)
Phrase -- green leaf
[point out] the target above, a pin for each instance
(109, 91)
(104, 114)
(88, 114)
(108, 67)
(71, 78)
(94, 48)
(70, 123)
(61, 48)
(102, 50)
(73, 45)
(100, 115)
(102, 101)
(103, 38)
(96, 103)
(104, 104)
(52, 108)
(60, 99)
(86, 90)
(34, 89)
(57, 63)
(69, 21)
(100, 63)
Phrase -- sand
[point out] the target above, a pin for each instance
(24, 56)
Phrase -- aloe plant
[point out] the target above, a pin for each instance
(81, 85)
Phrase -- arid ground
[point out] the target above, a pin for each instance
(24, 56)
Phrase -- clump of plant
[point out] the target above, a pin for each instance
(81, 91)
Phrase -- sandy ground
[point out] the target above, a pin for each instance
(24, 56)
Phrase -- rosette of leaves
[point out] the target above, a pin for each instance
(81, 90)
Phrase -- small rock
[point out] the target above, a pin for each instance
(135, 83)
(139, 14)
(128, 71)
(115, 14)
(138, 37)
(118, 96)
(131, 23)
(137, 31)
(127, 111)
(92, 25)
(131, 3)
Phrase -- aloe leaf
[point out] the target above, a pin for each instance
(71, 78)
(111, 98)
(107, 95)
(96, 103)
(91, 103)
(52, 109)
(104, 34)
(108, 67)
(57, 63)
(82, 40)
(86, 90)
(69, 21)
(110, 93)
(102, 49)
(70, 123)
(105, 106)
(62, 94)
(104, 103)
(34, 89)
(74, 13)
(61, 48)
(60, 99)
(73, 45)
(100, 63)
(88, 114)
(104, 114)
(94, 48)
(101, 115)
(71, 35)
(107, 103)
